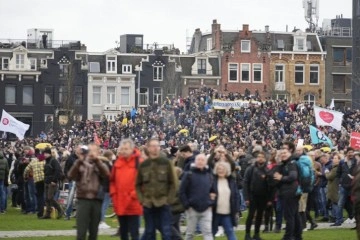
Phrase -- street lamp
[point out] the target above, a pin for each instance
(138, 68)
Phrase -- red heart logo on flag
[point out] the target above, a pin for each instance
(326, 116)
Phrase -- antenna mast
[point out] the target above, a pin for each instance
(311, 10)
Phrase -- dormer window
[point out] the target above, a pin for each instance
(20, 61)
(126, 69)
(209, 44)
(32, 63)
(245, 46)
(111, 64)
(5, 63)
(64, 70)
(300, 43)
(201, 66)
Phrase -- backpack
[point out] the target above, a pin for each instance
(306, 174)
(62, 176)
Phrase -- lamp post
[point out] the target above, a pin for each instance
(138, 68)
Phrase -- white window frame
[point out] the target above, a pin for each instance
(35, 62)
(126, 68)
(20, 65)
(241, 74)
(111, 95)
(261, 72)
(96, 104)
(112, 68)
(199, 60)
(237, 72)
(147, 97)
(42, 65)
(318, 74)
(157, 95)
(209, 44)
(2, 63)
(244, 50)
(32, 95)
(157, 78)
(15, 100)
(303, 71)
(279, 71)
(129, 100)
(297, 39)
(308, 97)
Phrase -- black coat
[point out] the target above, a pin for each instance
(52, 171)
(234, 199)
(289, 182)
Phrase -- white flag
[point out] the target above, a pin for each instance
(326, 117)
(332, 104)
(9, 124)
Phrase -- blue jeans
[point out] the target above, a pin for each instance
(69, 205)
(279, 213)
(30, 193)
(2, 196)
(242, 200)
(343, 198)
(157, 218)
(322, 208)
(105, 205)
(226, 222)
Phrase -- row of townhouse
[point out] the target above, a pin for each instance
(53, 87)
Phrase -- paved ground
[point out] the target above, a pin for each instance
(15, 234)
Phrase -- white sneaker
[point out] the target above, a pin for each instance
(220, 232)
(347, 221)
(352, 221)
(103, 225)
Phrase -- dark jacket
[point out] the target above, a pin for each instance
(52, 170)
(4, 167)
(244, 162)
(256, 183)
(343, 171)
(195, 189)
(323, 179)
(289, 182)
(69, 163)
(234, 199)
(188, 162)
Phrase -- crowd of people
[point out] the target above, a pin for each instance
(185, 159)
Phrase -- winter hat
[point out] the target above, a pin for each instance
(47, 150)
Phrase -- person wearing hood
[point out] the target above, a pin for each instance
(257, 194)
(4, 171)
(36, 167)
(122, 189)
(197, 196)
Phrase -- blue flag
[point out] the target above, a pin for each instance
(318, 136)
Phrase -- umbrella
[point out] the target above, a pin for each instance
(212, 138)
(42, 146)
(325, 149)
(308, 147)
(183, 131)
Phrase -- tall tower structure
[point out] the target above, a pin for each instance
(311, 12)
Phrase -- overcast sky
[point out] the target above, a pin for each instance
(99, 23)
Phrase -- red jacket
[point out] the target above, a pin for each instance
(122, 185)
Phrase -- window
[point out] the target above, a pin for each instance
(299, 74)
(138, 41)
(342, 56)
(10, 94)
(300, 44)
(279, 73)
(28, 95)
(5, 63)
(281, 96)
(94, 67)
(43, 63)
(78, 95)
(20, 61)
(314, 74)
(209, 44)
(32, 63)
(201, 62)
(144, 97)
(158, 73)
(245, 72)
(257, 71)
(233, 72)
(126, 68)
(110, 95)
(49, 95)
(96, 117)
(245, 46)
(309, 99)
(125, 96)
(63, 93)
(341, 83)
(64, 70)
(96, 95)
(111, 65)
(48, 118)
(157, 95)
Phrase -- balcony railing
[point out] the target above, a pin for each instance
(39, 44)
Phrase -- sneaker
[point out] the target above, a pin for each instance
(305, 230)
(347, 221)
(352, 221)
(313, 226)
(103, 225)
(220, 233)
(2, 212)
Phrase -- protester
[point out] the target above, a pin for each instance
(4, 171)
(122, 189)
(333, 185)
(88, 172)
(156, 186)
(197, 196)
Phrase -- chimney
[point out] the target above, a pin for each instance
(245, 27)
(267, 29)
(216, 35)
(197, 39)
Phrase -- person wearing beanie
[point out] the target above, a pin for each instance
(4, 171)
(51, 178)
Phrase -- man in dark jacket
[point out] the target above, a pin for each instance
(287, 192)
(345, 173)
(197, 196)
(187, 154)
(256, 193)
(52, 177)
(4, 171)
